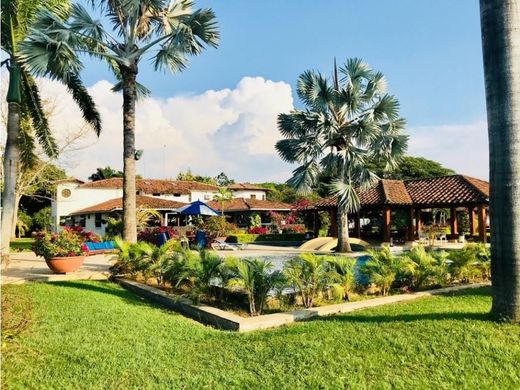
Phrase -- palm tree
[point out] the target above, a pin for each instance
(346, 124)
(26, 114)
(343, 274)
(168, 31)
(382, 268)
(500, 23)
(105, 173)
(222, 196)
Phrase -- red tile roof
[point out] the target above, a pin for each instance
(437, 191)
(241, 204)
(146, 202)
(154, 186)
(246, 186)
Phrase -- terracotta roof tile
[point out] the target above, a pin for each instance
(246, 186)
(241, 204)
(154, 186)
(148, 202)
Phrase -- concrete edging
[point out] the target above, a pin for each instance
(221, 319)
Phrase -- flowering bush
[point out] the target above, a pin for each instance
(85, 235)
(66, 243)
(294, 229)
(257, 230)
(150, 234)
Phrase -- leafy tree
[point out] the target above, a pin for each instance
(42, 219)
(105, 173)
(165, 32)
(26, 118)
(222, 180)
(346, 122)
(188, 176)
(281, 192)
(222, 197)
(410, 167)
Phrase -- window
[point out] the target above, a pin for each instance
(98, 220)
(82, 221)
(66, 193)
(253, 196)
(156, 194)
(177, 195)
(263, 197)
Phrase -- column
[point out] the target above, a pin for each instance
(387, 223)
(453, 223)
(333, 230)
(410, 234)
(482, 222)
(357, 225)
(417, 221)
(471, 214)
(316, 223)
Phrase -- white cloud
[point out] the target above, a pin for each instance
(230, 130)
(463, 148)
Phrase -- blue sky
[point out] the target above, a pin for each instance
(225, 104)
(430, 51)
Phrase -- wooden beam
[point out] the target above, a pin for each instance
(333, 230)
(453, 222)
(471, 214)
(417, 221)
(387, 223)
(482, 222)
(316, 223)
(410, 234)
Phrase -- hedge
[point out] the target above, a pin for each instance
(244, 238)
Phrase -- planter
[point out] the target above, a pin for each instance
(63, 265)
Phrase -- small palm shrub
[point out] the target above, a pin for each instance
(309, 275)
(483, 260)
(342, 276)
(463, 266)
(256, 279)
(423, 268)
(156, 261)
(382, 268)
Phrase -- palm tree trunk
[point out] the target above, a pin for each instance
(11, 167)
(129, 186)
(343, 234)
(15, 215)
(500, 24)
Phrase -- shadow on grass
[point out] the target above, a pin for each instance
(106, 287)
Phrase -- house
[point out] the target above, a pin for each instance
(89, 204)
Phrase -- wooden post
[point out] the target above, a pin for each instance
(410, 235)
(417, 221)
(333, 230)
(316, 223)
(387, 223)
(471, 214)
(453, 223)
(357, 225)
(482, 222)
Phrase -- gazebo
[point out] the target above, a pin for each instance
(448, 192)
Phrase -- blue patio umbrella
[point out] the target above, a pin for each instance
(197, 208)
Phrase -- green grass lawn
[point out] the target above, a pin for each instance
(97, 335)
(22, 244)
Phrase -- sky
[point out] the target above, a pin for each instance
(220, 113)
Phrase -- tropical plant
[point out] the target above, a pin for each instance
(144, 216)
(26, 118)
(128, 257)
(347, 122)
(308, 275)
(382, 268)
(222, 197)
(156, 261)
(422, 268)
(167, 31)
(42, 219)
(342, 275)
(105, 173)
(256, 278)
(483, 259)
(463, 264)
(500, 21)
(63, 244)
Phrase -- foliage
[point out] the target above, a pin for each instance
(42, 219)
(222, 180)
(145, 216)
(257, 230)
(189, 176)
(342, 275)
(22, 245)
(281, 192)
(113, 228)
(244, 238)
(423, 268)
(255, 220)
(156, 261)
(222, 197)
(105, 173)
(66, 243)
(256, 278)
(218, 226)
(84, 235)
(469, 262)
(128, 257)
(149, 235)
(382, 268)
(308, 274)
(23, 223)
(410, 167)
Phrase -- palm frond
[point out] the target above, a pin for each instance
(304, 177)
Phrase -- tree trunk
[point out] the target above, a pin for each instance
(11, 167)
(129, 186)
(500, 24)
(343, 236)
(15, 215)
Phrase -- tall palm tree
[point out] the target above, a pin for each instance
(26, 114)
(500, 24)
(346, 123)
(167, 31)
(222, 197)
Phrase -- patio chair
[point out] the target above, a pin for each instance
(223, 245)
(441, 237)
(423, 239)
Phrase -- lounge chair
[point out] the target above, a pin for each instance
(223, 245)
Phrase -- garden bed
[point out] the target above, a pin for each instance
(226, 320)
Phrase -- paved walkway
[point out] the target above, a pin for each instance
(25, 266)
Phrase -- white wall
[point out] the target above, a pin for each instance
(261, 195)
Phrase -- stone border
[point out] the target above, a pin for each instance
(221, 319)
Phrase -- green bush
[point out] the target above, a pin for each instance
(246, 238)
(382, 268)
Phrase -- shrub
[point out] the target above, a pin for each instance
(342, 275)
(257, 230)
(84, 235)
(247, 238)
(128, 257)
(422, 268)
(63, 244)
(382, 268)
(256, 279)
(294, 229)
(466, 263)
(149, 235)
(308, 275)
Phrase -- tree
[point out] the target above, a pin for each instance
(500, 24)
(26, 116)
(222, 180)
(189, 176)
(411, 168)
(222, 197)
(346, 123)
(165, 32)
(105, 173)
